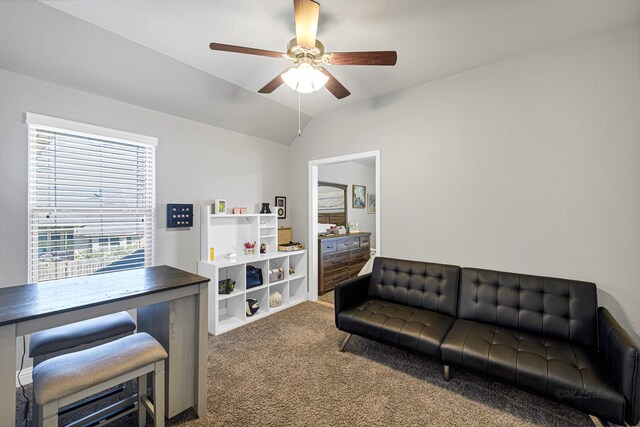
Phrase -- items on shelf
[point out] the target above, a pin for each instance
(263, 248)
(265, 209)
(291, 271)
(226, 286)
(248, 248)
(276, 274)
(275, 299)
(212, 254)
(254, 277)
(253, 305)
(220, 207)
(285, 235)
(291, 246)
(238, 211)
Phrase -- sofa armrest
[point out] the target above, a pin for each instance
(350, 292)
(622, 357)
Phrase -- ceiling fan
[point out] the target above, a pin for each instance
(308, 56)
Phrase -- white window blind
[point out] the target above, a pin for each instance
(91, 199)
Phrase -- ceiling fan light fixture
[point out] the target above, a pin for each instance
(304, 78)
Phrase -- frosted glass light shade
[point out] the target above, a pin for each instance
(304, 78)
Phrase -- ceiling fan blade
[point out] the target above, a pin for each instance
(272, 85)
(306, 14)
(334, 86)
(246, 50)
(388, 57)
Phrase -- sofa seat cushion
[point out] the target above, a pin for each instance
(412, 328)
(568, 372)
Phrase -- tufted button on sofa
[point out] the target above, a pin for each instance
(542, 334)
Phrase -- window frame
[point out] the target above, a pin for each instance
(83, 130)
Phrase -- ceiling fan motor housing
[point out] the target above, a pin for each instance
(297, 53)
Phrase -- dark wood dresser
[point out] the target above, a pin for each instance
(340, 258)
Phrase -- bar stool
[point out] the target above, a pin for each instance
(65, 379)
(79, 336)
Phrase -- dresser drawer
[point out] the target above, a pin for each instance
(354, 269)
(334, 261)
(348, 243)
(359, 255)
(336, 276)
(364, 241)
(327, 246)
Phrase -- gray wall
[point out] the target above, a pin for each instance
(530, 164)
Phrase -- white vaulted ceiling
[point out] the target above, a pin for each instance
(433, 38)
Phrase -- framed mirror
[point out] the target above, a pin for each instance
(332, 203)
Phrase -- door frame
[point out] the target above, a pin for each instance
(313, 210)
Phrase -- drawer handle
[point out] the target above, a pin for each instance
(350, 243)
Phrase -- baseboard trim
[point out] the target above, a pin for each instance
(25, 376)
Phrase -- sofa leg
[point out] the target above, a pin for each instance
(597, 422)
(447, 373)
(344, 342)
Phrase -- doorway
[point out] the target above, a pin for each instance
(314, 166)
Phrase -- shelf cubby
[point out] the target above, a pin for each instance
(283, 288)
(231, 312)
(262, 295)
(234, 272)
(297, 290)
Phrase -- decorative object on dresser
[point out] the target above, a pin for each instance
(281, 207)
(371, 203)
(265, 209)
(359, 196)
(341, 258)
(228, 233)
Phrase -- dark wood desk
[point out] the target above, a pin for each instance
(171, 305)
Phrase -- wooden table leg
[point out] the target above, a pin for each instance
(202, 344)
(8, 376)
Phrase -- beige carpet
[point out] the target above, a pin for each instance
(285, 370)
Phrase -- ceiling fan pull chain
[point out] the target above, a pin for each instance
(299, 130)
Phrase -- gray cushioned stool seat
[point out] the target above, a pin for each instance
(70, 373)
(85, 332)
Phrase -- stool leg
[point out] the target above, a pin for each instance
(158, 394)
(36, 414)
(50, 414)
(142, 392)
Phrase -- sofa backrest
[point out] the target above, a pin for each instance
(419, 284)
(554, 308)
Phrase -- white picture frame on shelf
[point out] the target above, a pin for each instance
(220, 207)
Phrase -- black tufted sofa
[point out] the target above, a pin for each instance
(542, 334)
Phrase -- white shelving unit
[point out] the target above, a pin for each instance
(227, 233)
